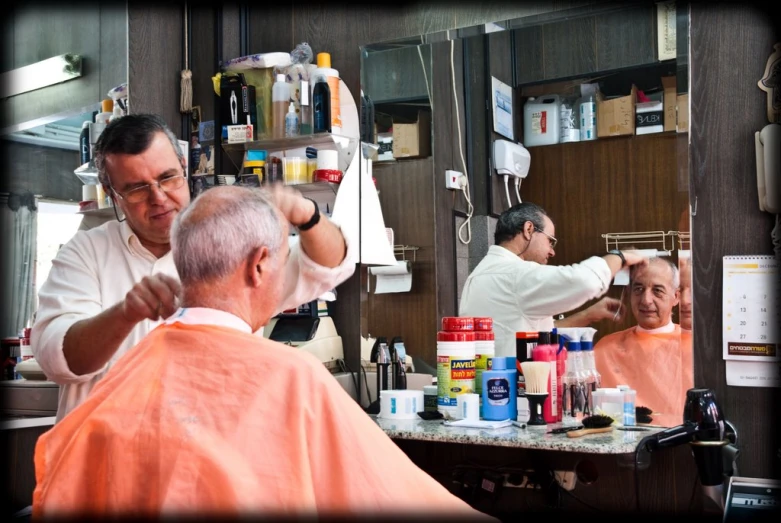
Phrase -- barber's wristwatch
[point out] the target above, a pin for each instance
(313, 220)
(620, 255)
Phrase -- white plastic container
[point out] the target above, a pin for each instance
(609, 402)
(485, 350)
(587, 111)
(400, 404)
(541, 120)
(455, 369)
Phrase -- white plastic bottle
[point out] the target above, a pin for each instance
(331, 76)
(280, 100)
(291, 122)
(541, 120)
(587, 111)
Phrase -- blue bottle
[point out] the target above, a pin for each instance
(500, 390)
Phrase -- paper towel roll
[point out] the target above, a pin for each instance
(400, 404)
(89, 193)
(393, 278)
(622, 276)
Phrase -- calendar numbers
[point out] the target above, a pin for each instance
(751, 312)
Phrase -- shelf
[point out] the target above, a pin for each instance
(108, 212)
(346, 146)
(279, 144)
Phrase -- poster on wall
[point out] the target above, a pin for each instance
(502, 98)
(751, 315)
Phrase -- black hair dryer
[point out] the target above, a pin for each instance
(713, 442)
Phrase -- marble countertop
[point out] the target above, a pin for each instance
(532, 437)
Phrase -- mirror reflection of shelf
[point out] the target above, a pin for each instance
(684, 240)
(640, 240)
(108, 212)
(404, 251)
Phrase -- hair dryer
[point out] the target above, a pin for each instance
(710, 436)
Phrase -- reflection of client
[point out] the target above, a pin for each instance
(650, 357)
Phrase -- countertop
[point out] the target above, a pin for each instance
(532, 437)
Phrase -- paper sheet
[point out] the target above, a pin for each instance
(622, 276)
(479, 424)
(394, 278)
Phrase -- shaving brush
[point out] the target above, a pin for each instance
(536, 375)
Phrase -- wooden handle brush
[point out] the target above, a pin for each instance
(593, 425)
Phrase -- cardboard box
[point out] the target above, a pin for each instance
(616, 117)
(683, 113)
(413, 139)
(670, 102)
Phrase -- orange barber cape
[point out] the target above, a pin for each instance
(203, 419)
(658, 366)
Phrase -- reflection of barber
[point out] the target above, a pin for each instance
(514, 285)
(653, 357)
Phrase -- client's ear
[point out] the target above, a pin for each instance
(258, 265)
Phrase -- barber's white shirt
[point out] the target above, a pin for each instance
(97, 268)
(523, 296)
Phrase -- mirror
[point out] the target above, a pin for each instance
(624, 189)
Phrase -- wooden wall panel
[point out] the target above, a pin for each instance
(730, 45)
(155, 61)
(406, 196)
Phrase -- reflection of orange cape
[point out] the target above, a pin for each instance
(209, 420)
(658, 366)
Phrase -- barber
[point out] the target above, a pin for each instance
(109, 286)
(514, 285)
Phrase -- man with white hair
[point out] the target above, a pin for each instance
(202, 417)
(650, 357)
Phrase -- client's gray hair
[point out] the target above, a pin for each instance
(211, 243)
(676, 274)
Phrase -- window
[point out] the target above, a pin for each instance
(57, 223)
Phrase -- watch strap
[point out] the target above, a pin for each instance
(619, 254)
(314, 220)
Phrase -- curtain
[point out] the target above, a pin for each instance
(18, 227)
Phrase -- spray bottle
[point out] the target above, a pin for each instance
(587, 346)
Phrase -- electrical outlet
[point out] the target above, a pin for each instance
(453, 179)
(566, 478)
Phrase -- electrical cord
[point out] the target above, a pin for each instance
(518, 181)
(465, 187)
(507, 191)
(346, 368)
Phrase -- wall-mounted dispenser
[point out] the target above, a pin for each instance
(512, 159)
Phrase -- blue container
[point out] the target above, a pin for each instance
(500, 390)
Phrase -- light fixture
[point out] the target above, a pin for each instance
(40, 74)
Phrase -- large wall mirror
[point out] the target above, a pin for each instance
(627, 190)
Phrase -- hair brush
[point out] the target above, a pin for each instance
(593, 425)
(643, 415)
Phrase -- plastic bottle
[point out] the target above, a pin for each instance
(291, 122)
(116, 113)
(589, 363)
(561, 370)
(629, 404)
(499, 394)
(107, 106)
(280, 101)
(305, 121)
(541, 120)
(331, 76)
(84, 148)
(484, 354)
(587, 112)
(321, 106)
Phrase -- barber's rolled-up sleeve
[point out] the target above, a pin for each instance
(305, 280)
(548, 289)
(71, 293)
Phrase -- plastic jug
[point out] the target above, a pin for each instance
(541, 120)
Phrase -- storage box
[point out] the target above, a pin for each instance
(412, 139)
(616, 117)
(683, 113)
(670, 101)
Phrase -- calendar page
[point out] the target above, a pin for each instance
(751, 308)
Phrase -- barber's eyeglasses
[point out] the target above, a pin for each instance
(553, 241)
(140, 194)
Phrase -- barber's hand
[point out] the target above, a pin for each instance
(154, 297)
(297, 209)
(634, 258)
(606, 309)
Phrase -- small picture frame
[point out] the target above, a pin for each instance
(195, 119)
